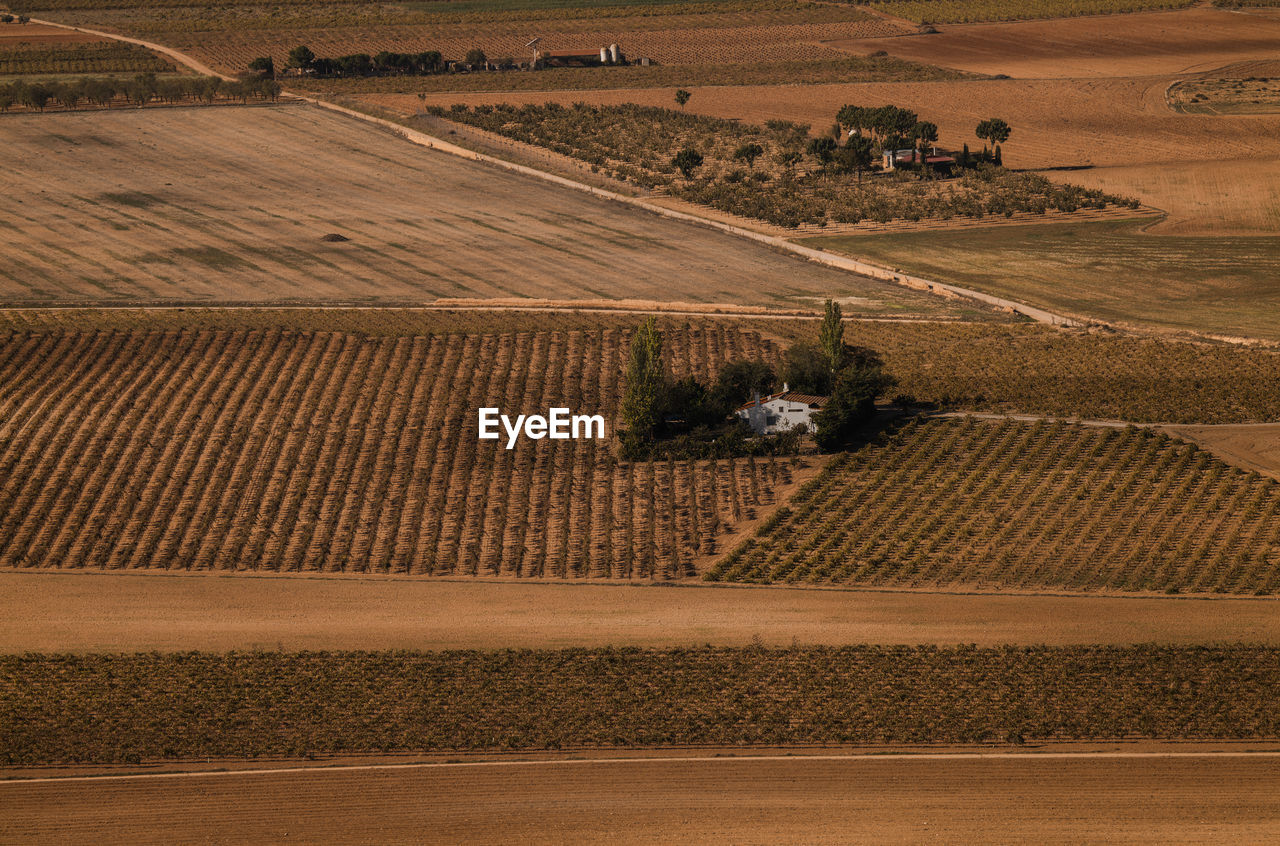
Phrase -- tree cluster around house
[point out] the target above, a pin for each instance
(685, 418)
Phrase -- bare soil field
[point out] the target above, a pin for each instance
(1136, 44)
(231, 204)
(14, 36)
(728, 800)
(1212, 197)
(120, 612)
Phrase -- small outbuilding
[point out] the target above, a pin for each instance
(781, 411)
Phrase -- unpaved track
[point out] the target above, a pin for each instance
(128, 612)
(728, 800)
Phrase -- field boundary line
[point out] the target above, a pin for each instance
(736, 759)
(822, 257)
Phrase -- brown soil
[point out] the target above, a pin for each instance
(727, 800)
(207, 205)
(1141, 44)
(84, 612)
(14, 34)
(1253, 447)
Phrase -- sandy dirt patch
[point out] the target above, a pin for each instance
(892, 800)
(85, 612)
(1253, 447)
(1141, 44)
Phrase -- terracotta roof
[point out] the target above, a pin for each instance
(788, 396)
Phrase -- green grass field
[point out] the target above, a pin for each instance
(1112, 271)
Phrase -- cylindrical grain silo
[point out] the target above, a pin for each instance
(614, 54)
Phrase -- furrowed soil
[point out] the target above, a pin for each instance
(230, 205)
(1136, 44)
(118, 612)
(891, 800)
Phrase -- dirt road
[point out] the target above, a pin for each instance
(85, 611)
(728, 800)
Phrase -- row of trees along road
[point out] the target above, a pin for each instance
(656, 406)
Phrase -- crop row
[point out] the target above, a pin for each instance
(287, 451)
(1026, 506)
(1022, 368)
(107, 57)
(970, 11)
(132, 708)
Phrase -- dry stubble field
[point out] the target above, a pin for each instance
(112, 612)
(230, 204)
(998, 800)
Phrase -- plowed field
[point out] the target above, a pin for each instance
(1143, 44)
(1003, 800)
(231, 204)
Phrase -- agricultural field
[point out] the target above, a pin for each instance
(686, 35)
(1205, 799)
(99, 709)
(1112, 271)
(326, 452)
(92, 58)
(1190, 40)
(1024, 506)
(983, 367)
(969, 11)
(1238, 95)
(786, 188)
(144, 611)
(233, 205)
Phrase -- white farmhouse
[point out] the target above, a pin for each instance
(781, 412)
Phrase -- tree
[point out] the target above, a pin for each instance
(856, 155)
(6, 18)
(476, 56)
(994, 130)
(687, 161)
(682, 97)
(739, 381)
(831, 337)
(301, 57)
(748, 153)
(806, 369)
(823, 149)
(852, 404)
(789, 159)
(925, 133)
(264, 66)
(642, 400)
(34, 96)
